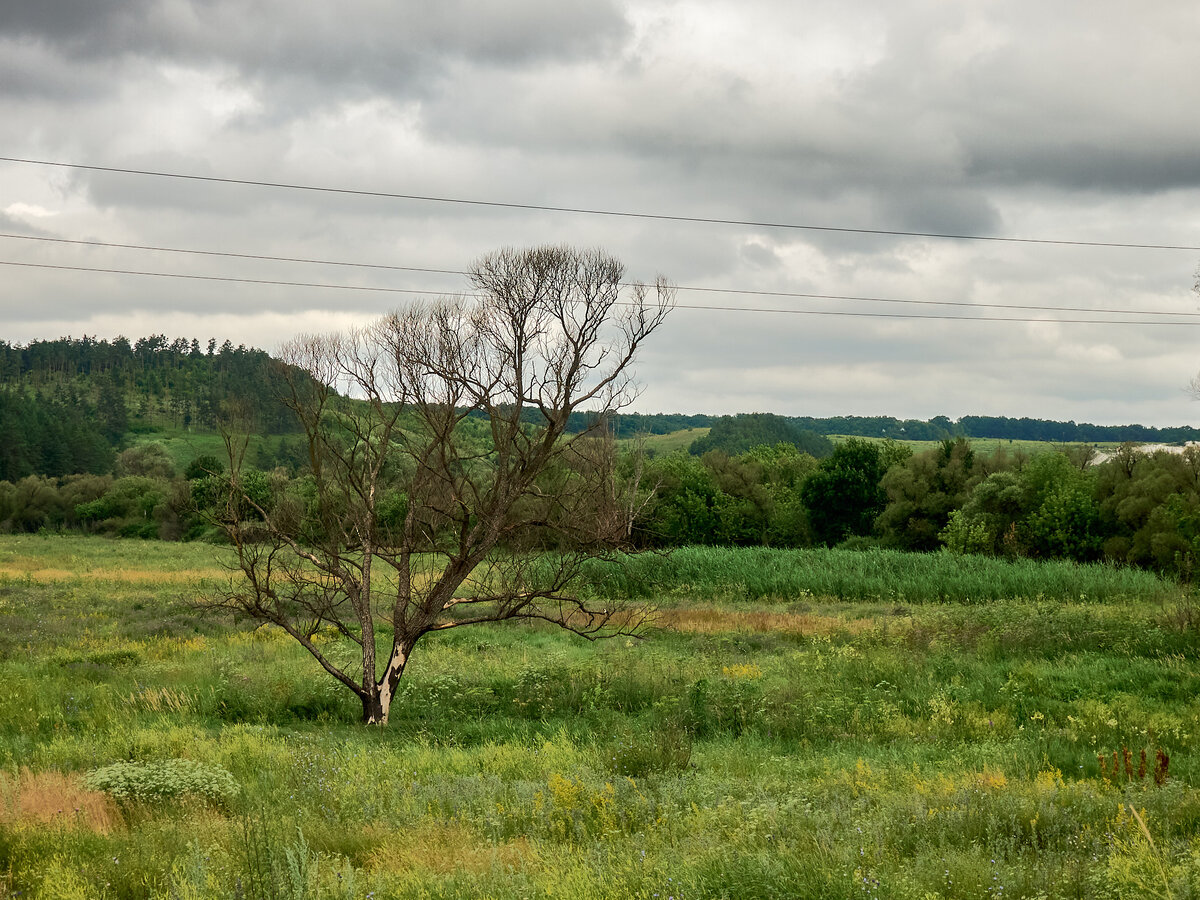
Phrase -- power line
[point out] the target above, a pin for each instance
(869, 315)
(255, 256)
(710, 290)
(742, 309)
(306, 284)
(662, 217)
(961, 303)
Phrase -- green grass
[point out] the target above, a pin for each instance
(681, 440)
(755, 573)
(760, 741)
(183, 445)
(990, 445)
(667, 443)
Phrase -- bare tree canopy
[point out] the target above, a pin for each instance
(443, 488)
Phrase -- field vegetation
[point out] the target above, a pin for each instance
(820, 724)
(1027, 448)
(671, 442)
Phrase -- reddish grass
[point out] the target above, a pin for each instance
(54, 798)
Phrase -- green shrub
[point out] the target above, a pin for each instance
(164, 780)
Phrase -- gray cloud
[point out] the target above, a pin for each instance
(993, 118)
(72, 22)
(371, 45)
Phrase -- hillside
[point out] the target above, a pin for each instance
(68, 405)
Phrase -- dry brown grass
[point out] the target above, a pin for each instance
(714, 621)
(44, 575)
(54, 798)
(162, 699)
(444, 848)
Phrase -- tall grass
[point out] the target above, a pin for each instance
(746, 748)
(756, 573)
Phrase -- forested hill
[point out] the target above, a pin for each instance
(66, 404)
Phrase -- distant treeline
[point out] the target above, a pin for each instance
(50, 437)
(68, 406)
(935, 429)
(735, 435)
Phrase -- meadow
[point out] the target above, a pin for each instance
(990, 445)
(184, 445)
(681, 440)
(795, 724)
(666, 443)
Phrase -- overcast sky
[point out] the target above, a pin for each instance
(1059, 120)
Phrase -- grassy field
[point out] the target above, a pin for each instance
(667, 443)
(778, 733)
(184, 446)
(681, 440)
(990, 445)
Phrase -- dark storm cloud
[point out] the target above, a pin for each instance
(70, 22)
(941, 209)
(377, 45)
(1141, 165)
(30, 70)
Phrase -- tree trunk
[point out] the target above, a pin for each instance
(373, 710)
(378, 703)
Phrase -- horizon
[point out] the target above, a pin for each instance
(954, 419)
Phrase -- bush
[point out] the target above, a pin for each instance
(165, 780)
(147, 461)
(203, 466)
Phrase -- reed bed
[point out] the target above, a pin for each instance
(888, 576)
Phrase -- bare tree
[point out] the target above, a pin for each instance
(444, 489)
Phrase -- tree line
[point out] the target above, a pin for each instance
(938, 428)
(630, 425)
(1136, 508)
(68, 407)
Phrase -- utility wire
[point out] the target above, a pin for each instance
(256, 256)
(662, 217)
(708, 290)
(743, 309)
(959, 303)
(307, 284)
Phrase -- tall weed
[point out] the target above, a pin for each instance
(876, 575)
